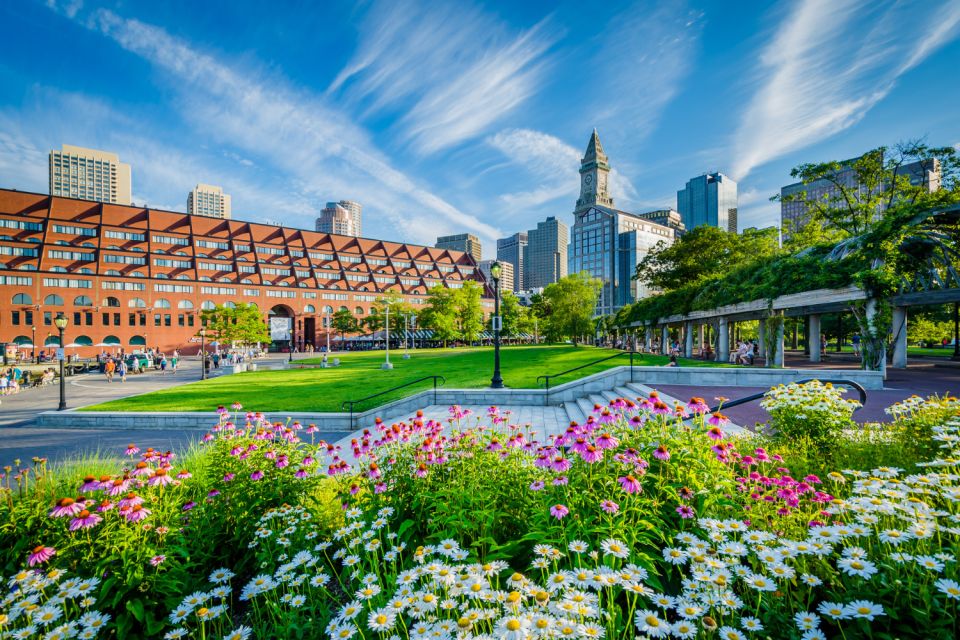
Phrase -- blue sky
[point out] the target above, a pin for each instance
(450, 117)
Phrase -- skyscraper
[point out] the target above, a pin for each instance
(545, 256)
(511, 250)
(466, 242)
(341, 218)
(608, 243)
(89, 174)
(507, 274)
(709, 199)
(208, 200)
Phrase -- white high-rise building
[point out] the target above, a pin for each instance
(341, 218)
(89, 174)
(208, 200)
(507, 274)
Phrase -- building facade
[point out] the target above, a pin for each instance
(796, 199)
(507, 274)
(336, 219)
(133, 277)
(608, 243)
(709, 199)
(464, 242)
(208, 200)
(511, 250)
(545, 256)
(89, 174)
(665, 217)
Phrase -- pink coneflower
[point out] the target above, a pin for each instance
(236, 406)
(158, 560)
(208, 437)
(380, 487)
(592, 454)
(661, 453)
(105, 505)
(559, 511)
(660, 408)
(560, 481)
(636, 421)
(606, 417)
(142, 469)
(160, 477)
(183, 474)
(537, 486)
(494, 445)
(229, 477)
(137, 513)
(715, 433)
(717, 419)
(560, 464)
(132, 449)
(40, 554)
(609, 506)
(607, 441)
(256, 475)
(685, 493)
(66, 507)
(282, 462)
(130, 500)
(697, 405)
(188, 506)
(213, 493)
(90, 483)
(630, 484)
(84, 520)
(685, 511)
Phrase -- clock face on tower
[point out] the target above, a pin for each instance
(588, 179)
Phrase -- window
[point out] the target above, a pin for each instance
(105, 319)
(358, 311)
(166, 319)
(173, 288)
(161, 303)
(53, 300)
(215, 266)
(347, 258)
(112, 257)
(75, 231)
(122, 286)
(70, 255)
(246, 268)
(309, 295)
(210, 244)
(21, 280)
(272, 293)
(327, 309)
(219, 291)
(171, 240)
(156, 319)
(245, 248)
(29, 252)
(251, 292)
(321, 256)
(15, 317)
(82, 301)
(184, 304)
(275, 272)
(22, 298)
(275, 251)
(377, 261)
(136, 303)
(178, 264)
(21, 224)
(207, 304)
(125, 235)
(334, 296)
(309, 309)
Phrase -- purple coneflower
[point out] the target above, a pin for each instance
(142, 469)
(537, 486)
(229, 477)
(183, 474)
(607, 441)
(213, 493)
(685, 511)
(66, 507)
(609, 506)
(661, 453)
(158, 560)
(660, 408)
(697, 405)
(40, 554)
(256, 475)
(560, 481)
(559, 511)
(137, 513)
(105, 505)
(591, 454)
(132, 449)
(301, 474)
(161, 477)
(717, 419)
(560, 464)
(188, 506)
(90, 483)
(130, 500)
(84, 520)
(630, 484)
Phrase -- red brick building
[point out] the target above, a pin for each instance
(137, 277)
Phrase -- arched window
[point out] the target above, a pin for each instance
(246, 281)
(183, 277)
(111, 341)
(309, 309)
(207, 304)
(84, 270)
(111, 302)
(22, 298)
(342, 308)
(161, 303)
(21, 340)
(229, 305)
(82, 301)
(206, 279)
(88, 245)
(137, 274)
(27, 267)
(137, 303)
(83, 341)
(358, 311)
(112, 272)
(328, 309)
(58, 269)
(184, 304)
(138, 341)
(161, 276)
(53, 299)
(52, 341)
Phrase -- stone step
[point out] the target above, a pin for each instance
(586, 406)
(574, 413)
(624, 392)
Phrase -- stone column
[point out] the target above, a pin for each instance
(778, 347)
(723, 341)
(899, 338)
(762, 337)
(870, 310)
(665, 340)
(813, 336)
(648, 337)
(688, 339)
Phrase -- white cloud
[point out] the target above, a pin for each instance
(828, 64)
(451, 70)
(321, 152)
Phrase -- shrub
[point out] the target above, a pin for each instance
(811, 410)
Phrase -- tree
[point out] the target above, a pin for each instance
(516, 318)
(344, 322)
(440, 314)
(378, 313)
(572, 301)
(705, 253)
(235, 325)
(469, 311)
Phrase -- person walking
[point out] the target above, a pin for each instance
(109, 368)
(174, 362)
(856, 344)
(163, 365)
(122, 370)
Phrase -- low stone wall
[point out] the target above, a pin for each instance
(332, 424)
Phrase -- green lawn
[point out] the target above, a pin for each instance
(359, 375)
(912, 352)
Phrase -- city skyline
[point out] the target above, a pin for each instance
(431, 152)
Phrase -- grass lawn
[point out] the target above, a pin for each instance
(359, 375)
(912, 352)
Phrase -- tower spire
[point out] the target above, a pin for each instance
(594, 170)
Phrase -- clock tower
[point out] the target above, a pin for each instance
(594, 173)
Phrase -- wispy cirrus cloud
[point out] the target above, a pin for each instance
(828, 64)
(316, 146)
(451, 71)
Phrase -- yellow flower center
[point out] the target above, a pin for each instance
(513, 625)
(652, 621)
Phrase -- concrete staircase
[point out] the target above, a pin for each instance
(579, 409)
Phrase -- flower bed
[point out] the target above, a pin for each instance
(647, 521)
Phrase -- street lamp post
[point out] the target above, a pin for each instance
(956, 331)
(386, 364)
(61, 322)
(33, 343)
(203, 352)
(328, 323)
(406, 336)
(496, 382)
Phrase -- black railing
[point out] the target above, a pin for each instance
(354, 403)
(547, 378)
(756, 396)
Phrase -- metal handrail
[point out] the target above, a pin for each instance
(756, 396)
(546, 378)
(353, 403)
